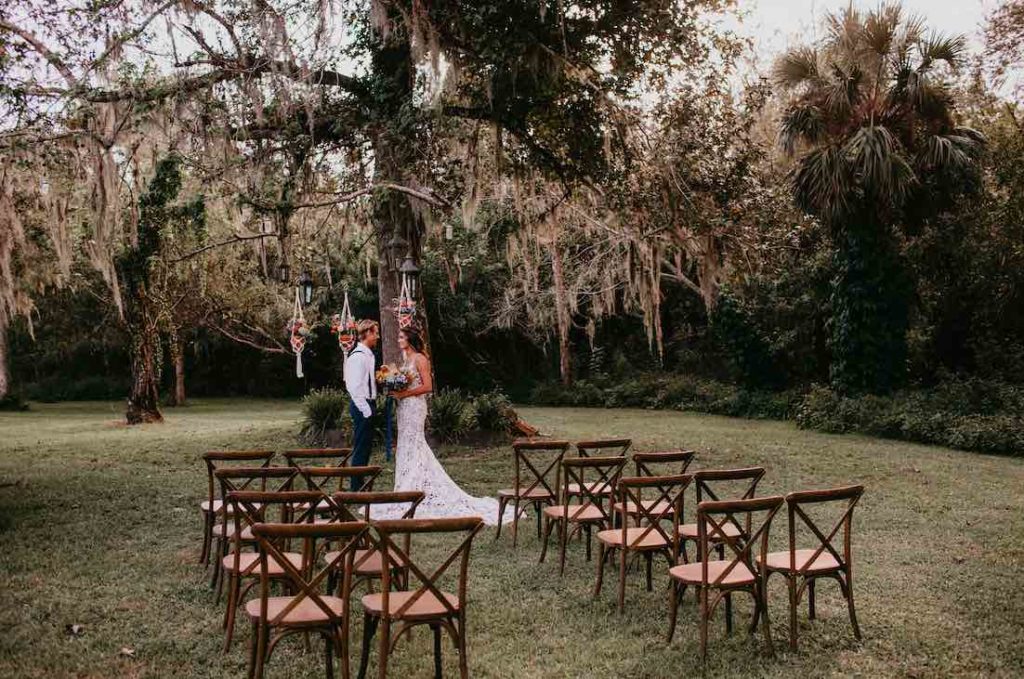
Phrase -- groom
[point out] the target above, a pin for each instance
(361, 384)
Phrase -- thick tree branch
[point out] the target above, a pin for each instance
(229, 241)
(42, 50)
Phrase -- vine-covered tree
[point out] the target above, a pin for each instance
(875, 122)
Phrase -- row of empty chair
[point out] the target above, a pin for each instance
(295, 524)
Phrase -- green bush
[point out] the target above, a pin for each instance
(13, 402)
(967, 414)
(494, 412)
(452, 415)
(323, 410)
(91, 388)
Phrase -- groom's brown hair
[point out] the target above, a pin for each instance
(365, 326)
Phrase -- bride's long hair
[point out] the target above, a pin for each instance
(415, 339)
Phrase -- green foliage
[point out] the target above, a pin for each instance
(970, 414)
(452, 415)
(323, 410)
(13, 402)
(669, 391)
(494, 412)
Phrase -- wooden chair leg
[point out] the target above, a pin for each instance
(234, 591)
(204, 556)
(793, 603)
(438, 673)
(623, 553)
(728, 613)
(502, 503)
(649, 556)
(515, 523)
(600, 568)
(341, 643)
(810, 599)
(463, 657)
(538, 508)
(852, 609)
(253, 643)
(673, 607)
(261, 648)
(564, 538)
(369, 627)
(383, 645)
(763, 594)
(548, 524)
(589, 535)
(704, 625)
(329, 656)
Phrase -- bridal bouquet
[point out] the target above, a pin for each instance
(391, 379)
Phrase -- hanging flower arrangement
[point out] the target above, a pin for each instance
(344, 326)
(298, 332)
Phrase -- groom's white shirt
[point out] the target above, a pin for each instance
(360, 367)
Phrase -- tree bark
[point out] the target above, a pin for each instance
(5, 378)
(178, 359)
(144, 398)
(394, 143)
(562, 315)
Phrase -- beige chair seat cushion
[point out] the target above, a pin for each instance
(577, 513)
(595, 487)
(365, 561)
(306, 614)
(655, 507)
(779, 561)
(538, 493)
(689, 532)
(249, 563)
(691, 573)
(653, 539)
(427, 606)
(221, 530)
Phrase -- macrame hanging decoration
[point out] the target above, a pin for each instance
(344, 326)
(298, 332)
(406, 307)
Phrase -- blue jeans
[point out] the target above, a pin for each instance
(362, 440)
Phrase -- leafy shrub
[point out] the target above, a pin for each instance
(323, 410)
(494, 412)
(967, 414)
(13, 402)
(90, 388)
(451, 416)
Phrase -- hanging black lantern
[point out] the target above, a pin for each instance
(410, 276)
(284, 272)
(395, 247)
(306, 287)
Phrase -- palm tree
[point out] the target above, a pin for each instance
(873, 119)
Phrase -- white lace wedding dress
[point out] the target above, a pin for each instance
(417, 468)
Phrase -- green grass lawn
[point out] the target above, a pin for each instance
(99, 526)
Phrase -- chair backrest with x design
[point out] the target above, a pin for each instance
(798, 505)
(712, 519)
(663, 462)
(358, 506)
(594, 480)
(306, 583)
(217, 459)
(252, 507)
(323, 478)
(728, 484)
(324, 457)
(656, 500)
(234, 479)
(420, 583)
(603, 447)
(535, 462)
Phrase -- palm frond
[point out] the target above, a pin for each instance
(822, 182)
(801, 122)
(844, 29)
(881, 29)
(950, 152)
(938, 47)
(797, 67)
(843, 90)
(876, 158)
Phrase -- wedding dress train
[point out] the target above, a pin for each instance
(417, 468)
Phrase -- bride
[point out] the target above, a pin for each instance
(416, 467)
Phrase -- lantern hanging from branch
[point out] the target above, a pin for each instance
(305, 284)
(410, 275)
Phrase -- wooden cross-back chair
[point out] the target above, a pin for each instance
(306, 609)
(722, 484)
(593, 510)
(802, 567)
(423, 602)
(325, 457)
(213, 505)
(234, 479)
(657, 500)
(740, 571)
(662, 463)
(330, 480)
(367, 563)
(250, 508)
(599, 448)
(535, 461)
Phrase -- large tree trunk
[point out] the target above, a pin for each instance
(394, 144)
(178, 359)
(5, 378)
(562, 315)
(144, 354)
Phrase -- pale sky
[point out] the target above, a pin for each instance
(774, 24)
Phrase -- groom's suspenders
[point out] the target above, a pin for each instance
(369, 374)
